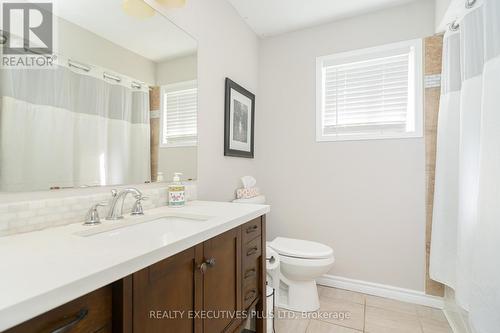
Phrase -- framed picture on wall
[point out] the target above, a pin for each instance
(238, 121)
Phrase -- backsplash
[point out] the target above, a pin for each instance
(58, 209)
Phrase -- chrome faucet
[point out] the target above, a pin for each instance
(92, 217)
(115, 209)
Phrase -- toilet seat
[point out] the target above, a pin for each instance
(301, 249)
(310, 263)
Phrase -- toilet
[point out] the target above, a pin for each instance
(301, 263)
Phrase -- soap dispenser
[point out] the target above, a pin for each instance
(176, 192)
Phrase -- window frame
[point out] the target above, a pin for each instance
(368, 54)
(164, 89)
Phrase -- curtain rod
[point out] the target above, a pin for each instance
(86, 68)
(136, 85)
(111, 77)
(78, 65)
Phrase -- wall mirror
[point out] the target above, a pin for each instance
(119, 106)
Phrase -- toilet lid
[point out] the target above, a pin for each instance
(300, 248)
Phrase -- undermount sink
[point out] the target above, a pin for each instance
(172, 225)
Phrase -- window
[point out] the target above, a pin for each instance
(373, 93)
(179, 115)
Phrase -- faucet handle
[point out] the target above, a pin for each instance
(92, 217)
(137, 208)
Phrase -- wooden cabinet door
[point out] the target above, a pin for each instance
(166, 294)
(222, 280)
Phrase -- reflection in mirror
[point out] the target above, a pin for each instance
(119, 106)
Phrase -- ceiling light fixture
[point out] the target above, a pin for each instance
(138, 9)
(172, 3)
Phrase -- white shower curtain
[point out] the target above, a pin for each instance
(465, 246)
(66, 128)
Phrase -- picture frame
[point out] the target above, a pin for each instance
(239, 121)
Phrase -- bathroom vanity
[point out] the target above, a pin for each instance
(193, 269)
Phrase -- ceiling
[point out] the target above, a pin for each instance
(155, 38)
(273, 17)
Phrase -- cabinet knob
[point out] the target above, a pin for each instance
(210, 262)
(206, 264)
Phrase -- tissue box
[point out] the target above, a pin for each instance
(247, 193)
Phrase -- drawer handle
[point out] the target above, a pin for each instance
(79, 317)
(253, 250)
(252, 228)
(251, 294)
(250, 272)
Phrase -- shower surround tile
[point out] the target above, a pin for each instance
(154, 107)
(433, 49)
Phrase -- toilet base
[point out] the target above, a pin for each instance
(299, 296)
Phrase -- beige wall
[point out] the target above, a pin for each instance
(82, 45)
(441, 8)
(366, 199)
(177, 70)
(226, 48)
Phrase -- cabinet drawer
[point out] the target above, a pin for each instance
(251, 229)
(87, 314)
(251, 251)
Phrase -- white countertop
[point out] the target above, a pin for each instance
(44, 269)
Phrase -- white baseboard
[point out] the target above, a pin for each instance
(376, 289)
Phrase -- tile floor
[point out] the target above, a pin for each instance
(363, 313)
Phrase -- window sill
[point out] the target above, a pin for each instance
(332, 138)
(179, 145)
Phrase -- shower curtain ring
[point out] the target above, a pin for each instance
(470, 3)
(454, 26)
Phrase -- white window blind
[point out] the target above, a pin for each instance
(369, 94)
(179, 115)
